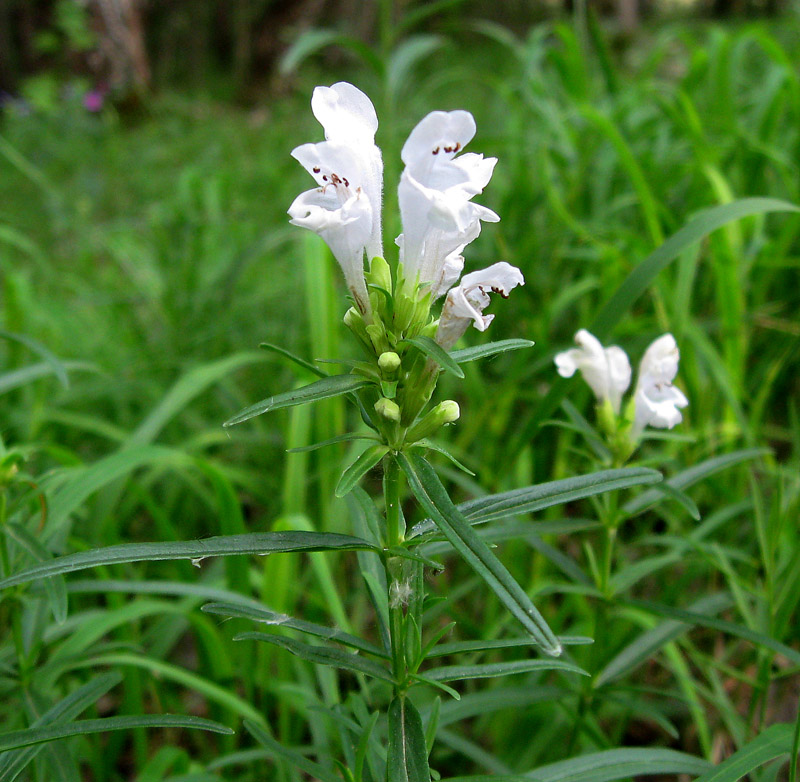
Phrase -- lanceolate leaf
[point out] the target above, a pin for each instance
(225, 545)
(433, 350)
(29, 736)
(258, 614)
(320, 389)
(408, 752)
(545, 495)
(359, 468)
(322, 655)
(696, 473)
(612, 764)
(434, 499)
(702, 620)
(489, 349)
(12, 763)
(450, 673)
(770, 744)
(315, 770)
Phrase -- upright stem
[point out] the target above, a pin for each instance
(394, 568)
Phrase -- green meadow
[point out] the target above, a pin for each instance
(643, 188)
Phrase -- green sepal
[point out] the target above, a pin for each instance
(389, 388)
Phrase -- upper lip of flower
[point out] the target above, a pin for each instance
(345, 207)
(435, 193)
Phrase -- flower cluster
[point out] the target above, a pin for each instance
(655, 401)
(439, 219)
(435, 194)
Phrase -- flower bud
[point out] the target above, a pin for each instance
(389, 362)
(444, 413)
(388, 409)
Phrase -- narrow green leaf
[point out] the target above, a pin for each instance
(315, 770)
(606, 766)
(451, 673)
(365, 461)
(406, 55)
(640, 278)
(407, 760)
(86, 481)
(437, 353)
(259, 614)
(55, 587)
(425, 443)
(694, 474)
(315, 370)
(322, 655)
(29, 736)
(545, 495)
(465, 647)
(336, 385)
(25, 375)
(434, 499)
(478, 352)
(259, 543)
(59, 370)
(185, 389)
(12, 763)
(342, 438)
(768, 745)
(648, 643)
(722, 625)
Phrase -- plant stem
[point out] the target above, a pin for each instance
(394, 569)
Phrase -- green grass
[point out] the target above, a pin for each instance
(156, 253)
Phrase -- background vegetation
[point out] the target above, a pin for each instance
(145, 253)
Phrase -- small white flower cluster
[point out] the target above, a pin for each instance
(656, 401)
(435, 196)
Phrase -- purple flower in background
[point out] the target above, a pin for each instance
(95, 99)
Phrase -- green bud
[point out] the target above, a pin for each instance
(444, 413)
(387, 409)
(355, 322)
(389, 362)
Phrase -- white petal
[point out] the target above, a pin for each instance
(344, 227)
(657, 405)
(468, 300)
(450, 272)
(326, 160)
(346, 113)
(656, 401)
(437, 137)
(660, 360)
(607, 371)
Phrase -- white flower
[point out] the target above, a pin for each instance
(606, 370)
(467, 301)
(435, 194)
(656, 400)
(345, 208)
